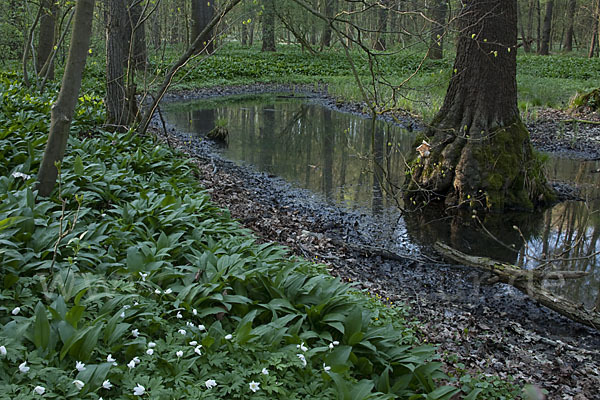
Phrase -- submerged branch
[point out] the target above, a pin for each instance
(528, 282)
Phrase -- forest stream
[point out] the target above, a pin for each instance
(315, 175)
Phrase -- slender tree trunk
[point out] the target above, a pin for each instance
(477, 151)
(545, 45)
(64, 107)
(46, 35)
(528, 40)
(28, 44)
(244, 34)
(138, 35)
(202, 13)
(326, 39)
(438, 15)
(594, 40)
(268, 26)
(382, 19)
(117, 52)
(538, 38)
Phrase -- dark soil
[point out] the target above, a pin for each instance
(493, 329)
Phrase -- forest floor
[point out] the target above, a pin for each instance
(492, 330)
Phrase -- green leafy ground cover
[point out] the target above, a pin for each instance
(548, 81)
(129, 283)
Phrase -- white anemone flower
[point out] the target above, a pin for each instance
(210, 383)
(39, 390)
(179, 353)
(201, 327)
(16, 310)
(168, 291)
(150, 352)
(3, 351)
(106, 384)
(78, 384)
(302, 347)
(179, 316)
(302, 358)
(264, 371)
(151, 345)
(139, 390)
(79, 366)
(131, 364)
(228, 336)
(135, 333)
(197, 350)
(23, 367)
(182, 331)
(254, 386)
(327, 368)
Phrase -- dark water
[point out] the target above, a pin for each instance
(360, 164)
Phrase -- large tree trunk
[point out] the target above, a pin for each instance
(479, 153)
(545, 45)
(438, 16)
(268, 26)
(568, 42)
(63, 109)
(46, 36)
(202, 13)
(117, 52)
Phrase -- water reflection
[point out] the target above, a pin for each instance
(358, 163)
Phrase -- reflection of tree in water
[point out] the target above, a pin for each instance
(459, 229)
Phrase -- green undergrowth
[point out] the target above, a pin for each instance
(129, 283)
(543, 81)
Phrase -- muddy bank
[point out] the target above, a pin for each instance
(493, 329)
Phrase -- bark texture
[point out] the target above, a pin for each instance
(46, 36)
(268, 26)
(530, 283)
(547, 30)
(64, 107)
(480, 153)
(202, 13)
(117, 52)
(382, 19)
(568, 42)
(137, 33)
(438, 15)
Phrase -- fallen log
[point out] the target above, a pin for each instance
(528, 282)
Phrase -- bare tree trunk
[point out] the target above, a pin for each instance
(28, 44)
(538, 38)
(382, 19)
(138, 35)
(326, 39)
(268, 26)
(594, 41)
(64, 107)
(202, 13)
(117, 52)
(46, 36)
(478, 152)
(528, 40)
(568, 42)
(438, 15)
(545, 45)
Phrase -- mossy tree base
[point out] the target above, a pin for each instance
(495, 171)
(478, 152)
